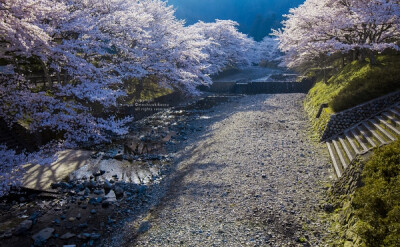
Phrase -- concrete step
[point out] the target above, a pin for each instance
(340, 154)
(391, 118)
(388, 125)
(335, 162)
(364, 147)
(346, 149)
(371, 130)
(395, 112)
(352, 143)
(382, 130)
(366, 137)
(363, 137)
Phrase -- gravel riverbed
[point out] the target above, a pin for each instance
(251, 177)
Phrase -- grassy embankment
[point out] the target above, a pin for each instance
(355, 83)
(370, 215)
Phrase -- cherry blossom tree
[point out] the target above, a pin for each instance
(226, 45)
(267, 50)
(322, 28)
(34, 26)
(23, 30)
(98, 45)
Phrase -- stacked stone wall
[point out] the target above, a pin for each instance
(341, 121)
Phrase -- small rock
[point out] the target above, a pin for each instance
(56, 221)
(98, 192)
(118, 191)
(83, 236)
(93, 211)
(90, 184)
(83, 225)
(95, 236)
(71, 219)
(42, 236)
(67, 235)
(79, 216)
(110, 197)
(144, 227)
(65, 185)
(99, 173)
(80, 187)
(93, 201)
(69, 245)
(328, 208)
(107, 185)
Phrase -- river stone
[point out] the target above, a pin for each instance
(84, 236)
(67, 235)
(118, 191)
(107, 185)
(43, 235)
(110, 197)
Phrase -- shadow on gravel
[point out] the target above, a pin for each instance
(175, 185)
(172, 186)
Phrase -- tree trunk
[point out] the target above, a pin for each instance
(324, 69)
(372, 59)
(363, 55)
(58, 78)
(65, 78)
(46, 72)
(358, 55)
(139, 89)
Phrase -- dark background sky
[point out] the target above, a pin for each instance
(256, 17)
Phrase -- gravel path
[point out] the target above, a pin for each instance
(250, 178)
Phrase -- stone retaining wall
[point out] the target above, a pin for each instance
(341, 121)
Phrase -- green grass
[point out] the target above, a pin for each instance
(377, 203)
(370, 214)
(363, 82)
(356, 83)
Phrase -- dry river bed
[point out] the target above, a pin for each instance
(250, 177)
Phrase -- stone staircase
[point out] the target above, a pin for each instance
(363, 137)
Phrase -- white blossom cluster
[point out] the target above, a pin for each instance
(331, 27)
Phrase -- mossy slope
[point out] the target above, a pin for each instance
(354, 84)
